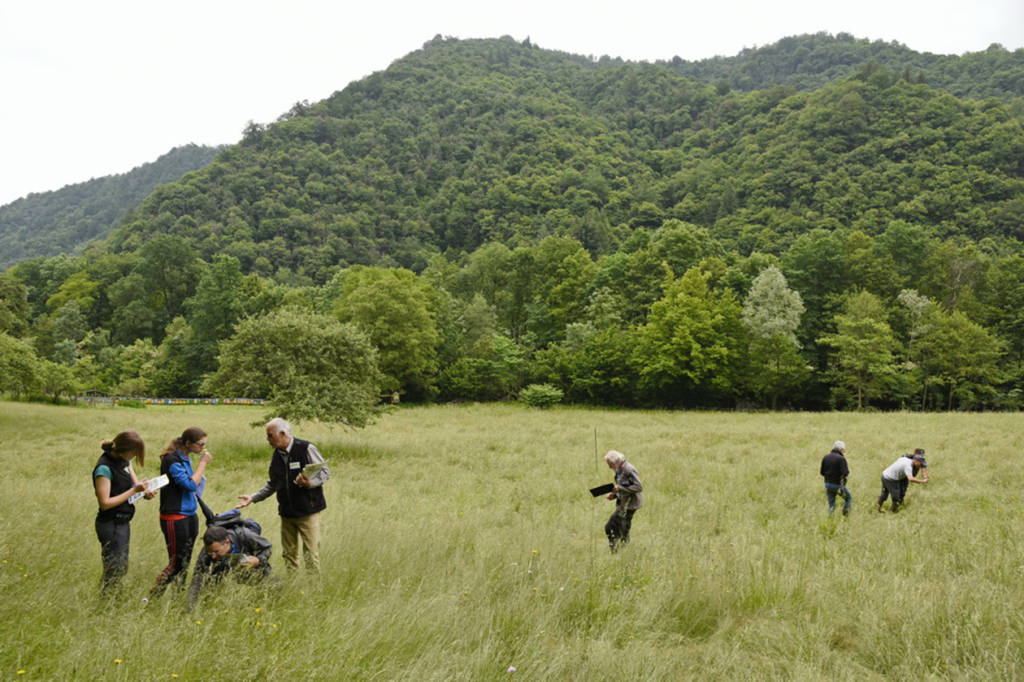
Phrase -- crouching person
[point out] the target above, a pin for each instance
(236, 550)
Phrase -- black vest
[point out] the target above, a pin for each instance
(171, 496)
(293, 501)
(121, 481)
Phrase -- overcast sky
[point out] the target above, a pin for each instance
(96, 87)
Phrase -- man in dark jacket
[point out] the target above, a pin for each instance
(297, 475)
(237, 549)
(835, 470)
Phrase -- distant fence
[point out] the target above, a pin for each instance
(114, 400)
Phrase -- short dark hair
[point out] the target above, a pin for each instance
(215, 534)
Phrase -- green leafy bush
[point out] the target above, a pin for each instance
(540, 395)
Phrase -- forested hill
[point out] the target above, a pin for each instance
(808, 62)
(622, 232)
(64, 220)
(467, 142)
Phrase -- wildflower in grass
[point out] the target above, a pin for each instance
(118, 661)
(536, 551)
(20, 672)
(257, 609)
(511, 669)
(199, 622)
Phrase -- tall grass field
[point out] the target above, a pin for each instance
(461, 543)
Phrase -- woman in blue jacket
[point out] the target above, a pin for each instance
(178, 520)
(114, 481)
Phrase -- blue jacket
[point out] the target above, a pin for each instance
(180, 496)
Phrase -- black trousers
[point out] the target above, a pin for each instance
(618, 526)
(897, 489)
(114, 537)
(180, 536)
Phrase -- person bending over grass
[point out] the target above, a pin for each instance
(627, 498)
(114, 481)
(236, 550)
(898, 476)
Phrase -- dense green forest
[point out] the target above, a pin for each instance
(489, 215)
(809, 62)
(64, 220)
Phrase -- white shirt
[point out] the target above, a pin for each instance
(900, 469)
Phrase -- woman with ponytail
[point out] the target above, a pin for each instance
(114, 481)
(178, 505)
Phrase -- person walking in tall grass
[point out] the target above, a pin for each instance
(627, 496)
(178, 520)
(835, 470)
(114, 481)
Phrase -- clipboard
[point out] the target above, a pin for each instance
(602, 489)
(154, 484)
(311, 470)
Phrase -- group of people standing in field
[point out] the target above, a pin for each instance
(896, 478)
(300, 500)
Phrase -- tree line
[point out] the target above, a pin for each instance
(841, 319)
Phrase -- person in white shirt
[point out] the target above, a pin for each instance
(899, 474)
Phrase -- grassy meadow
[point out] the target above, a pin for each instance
(460, 543)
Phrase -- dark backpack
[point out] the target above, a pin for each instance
(229, 519)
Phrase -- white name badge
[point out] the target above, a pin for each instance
(294, 465)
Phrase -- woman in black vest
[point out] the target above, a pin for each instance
(115, 481)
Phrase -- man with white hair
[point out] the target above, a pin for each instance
(835, 470)
(626, 494)
(300, 497)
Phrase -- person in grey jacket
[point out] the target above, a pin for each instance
(235, 550)
(627, 496)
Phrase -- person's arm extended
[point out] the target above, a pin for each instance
(263, 493)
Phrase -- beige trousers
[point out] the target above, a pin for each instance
(308, 529)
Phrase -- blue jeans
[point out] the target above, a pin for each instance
(833, 489)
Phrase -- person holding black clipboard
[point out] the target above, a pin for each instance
(626, 491)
